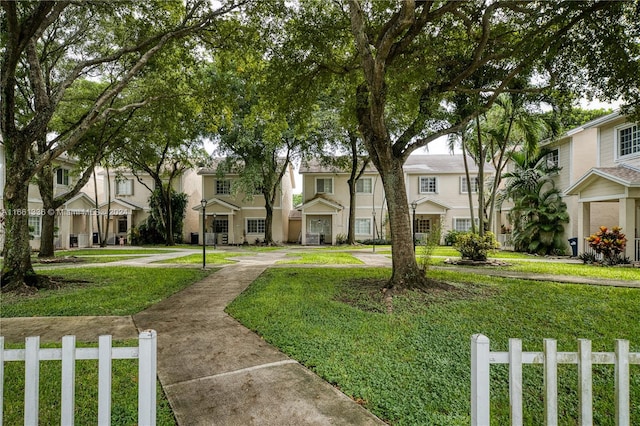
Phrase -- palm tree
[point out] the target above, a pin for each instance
(538, 214)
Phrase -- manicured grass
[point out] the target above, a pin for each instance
(124, 392)
(114, 251)
(101, 291)
(212, 258)
(322, 258)
(413, 366)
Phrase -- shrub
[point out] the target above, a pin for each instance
(475, 247)
(450, 238)
(610, 243)
(341, 239)
(428, 245)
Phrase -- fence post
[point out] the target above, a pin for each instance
(104, 380)
(31, 380)
(585, 382)
(147, 365)
(622, 382)
(68, 382)
(1, 377)
(515, 381)
(551, 382)
(480, 384)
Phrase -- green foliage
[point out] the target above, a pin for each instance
(474, 246)
(153, 230)
(429, 245)
(451, 237)
(412, 366)
(341, 239)
(610, 243)
(297, 200)
(538, 214)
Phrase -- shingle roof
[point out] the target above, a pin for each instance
(623, 173)
(436, 164)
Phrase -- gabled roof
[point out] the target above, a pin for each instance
(321, 199)
(624, 175)
(214, 201)
(81, 196)
(434, 201)
(126, 204)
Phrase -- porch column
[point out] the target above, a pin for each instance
(627, 221)
(303, 229)
(129, 217)
(584, 222)
(89, 218)
(231, 234)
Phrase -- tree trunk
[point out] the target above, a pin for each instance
(45, 185)
(406, 273)
(351, 237)
(17, 271)
(268, 220)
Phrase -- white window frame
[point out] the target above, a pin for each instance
(428, 179)
(258, 221)
(124, 186)
(361, 186)
(553, 158)
(455, 223)
(464, 186)
(360, 224)
(324, 179)
(36, 223)
(62, 177)
(635, 143)
(223, 187)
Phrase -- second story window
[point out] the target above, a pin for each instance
(364, 186)
(428, 185)
(553, 159)
(62, 177)
(324, 186)
(124, 187)
(223, 187)
(464, 185)
(628, 140)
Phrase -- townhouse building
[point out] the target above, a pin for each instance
(436, 185)
(231, 217)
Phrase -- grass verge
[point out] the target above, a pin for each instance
(216, 258)
(100, 291)
(321, 258)
(413, 366)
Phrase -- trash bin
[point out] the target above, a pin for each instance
(194, 238)
(573, 242)
(95, 238)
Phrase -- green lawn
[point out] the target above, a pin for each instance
(321, 258)
(101, 291)
(116, 251)
(412, 367)
(212, 258)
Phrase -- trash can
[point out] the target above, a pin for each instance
(95, 238)
(194, 238)
(573, 242)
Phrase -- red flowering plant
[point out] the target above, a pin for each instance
(610, 243)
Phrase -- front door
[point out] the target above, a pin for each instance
(320, 225)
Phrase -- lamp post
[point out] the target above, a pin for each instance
(373, 213)
(214, 232)
(203, 203)
(414, 205)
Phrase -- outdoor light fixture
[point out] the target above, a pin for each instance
(414, 205)
(373, 213)
(203, 203)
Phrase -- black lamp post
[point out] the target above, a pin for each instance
(414, 205)
(203, 203)
(373, 213)
(215, 237)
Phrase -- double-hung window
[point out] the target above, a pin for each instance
(324, 186)
(363, 226)
(552, 159)
(428, 184)
(124, 187)
(463, 224)
(255, 226)
(35, 226)
(364, 186)
(464, 185)
(62, 177)
(223, 187)
(628, 140)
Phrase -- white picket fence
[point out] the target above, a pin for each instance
(482, 358)
(32, 355)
